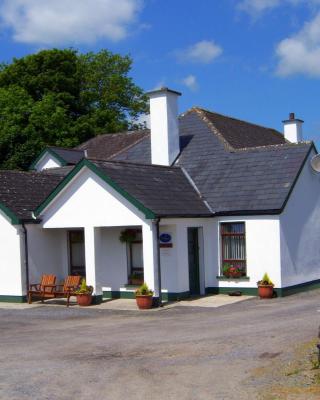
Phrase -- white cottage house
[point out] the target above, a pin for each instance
(209, 202)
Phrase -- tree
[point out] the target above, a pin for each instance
(62, 98)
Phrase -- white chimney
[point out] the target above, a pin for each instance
(164, 125)
(292, 129)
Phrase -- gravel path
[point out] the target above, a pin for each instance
(192, 353)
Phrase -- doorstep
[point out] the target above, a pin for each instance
(213, 301)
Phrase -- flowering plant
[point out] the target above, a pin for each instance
(233, 270)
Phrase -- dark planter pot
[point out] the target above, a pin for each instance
(265, 291)
(84, 300)
(144, 302)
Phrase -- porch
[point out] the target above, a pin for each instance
(168, 257)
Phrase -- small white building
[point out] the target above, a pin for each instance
(202, 203)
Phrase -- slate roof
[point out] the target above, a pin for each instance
(241, 134)
(21, 192)
(164, 190)
(70, 156)
(250, 180)
(239, 168)
(109, 145)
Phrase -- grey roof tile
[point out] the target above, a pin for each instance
(164, 190)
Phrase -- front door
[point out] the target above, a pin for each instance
(77, 254)
(193, 254)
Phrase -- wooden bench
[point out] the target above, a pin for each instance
(43, 290)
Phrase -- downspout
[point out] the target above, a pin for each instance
(26, 254)
(159, 263)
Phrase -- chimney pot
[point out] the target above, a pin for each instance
(291, 116)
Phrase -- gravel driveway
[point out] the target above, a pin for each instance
(182, 352)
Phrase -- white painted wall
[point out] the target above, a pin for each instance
(175, 263)
(113, 272)
(300, 230)
(292, 130)
(88, 202)
(262, 247)
(47, 161)
(48, 253)
(11, 258)
(164, 126)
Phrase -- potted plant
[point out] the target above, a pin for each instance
(232, 271)
(136, 279)
(144, 297)
(265, 287)
(84, 294)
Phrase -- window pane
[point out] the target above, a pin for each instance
(232, 228)
(233, 249)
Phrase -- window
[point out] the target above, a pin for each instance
(233, 249)
(136, 259)
(76, 253)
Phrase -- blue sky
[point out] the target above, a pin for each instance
(256, 60)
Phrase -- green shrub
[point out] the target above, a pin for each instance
(265, 280)
(84, 289)
(144, 290)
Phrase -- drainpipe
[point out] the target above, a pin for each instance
(26, 254)
(159, 263)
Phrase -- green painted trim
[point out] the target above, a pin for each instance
(224, 278)
(226, 290)
(10, 214)
(281, 292)
(52, 153)
(86, 163)
(171, 296)
(13, 299)
(97, 299)
(166, 296)
(301, 287)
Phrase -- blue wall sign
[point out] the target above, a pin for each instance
(165, 238)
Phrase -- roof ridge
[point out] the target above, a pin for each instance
(238, 119)
(64, 148)
(213, 128)
(128, 147)
(135, 164)
(114, 134)
(268, 146)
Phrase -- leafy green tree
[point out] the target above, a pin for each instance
(61, 98)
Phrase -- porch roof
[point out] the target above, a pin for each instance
(155, 190)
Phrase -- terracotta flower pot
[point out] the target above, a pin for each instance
(144, 302)
(265, 291)
(84, 299)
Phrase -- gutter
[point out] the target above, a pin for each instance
(159, 262)
(26, 254)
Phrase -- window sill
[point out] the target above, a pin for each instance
(131, 287)
(224, 278)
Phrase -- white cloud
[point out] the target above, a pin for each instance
(258, 7)
(203, 52)
(190, 82)
(300, 53)
(255, 7)
(55, 22)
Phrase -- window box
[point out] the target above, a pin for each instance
(225, 278)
